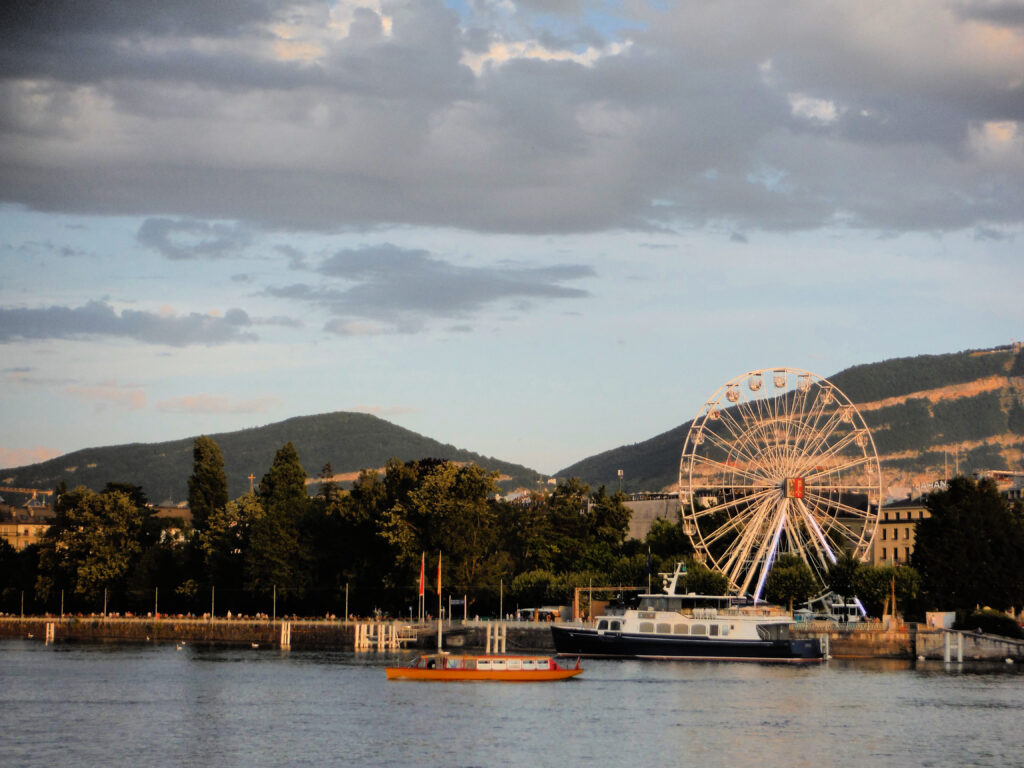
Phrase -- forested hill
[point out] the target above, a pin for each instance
(925, 411)
(349, 441)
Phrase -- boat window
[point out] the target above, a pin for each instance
(664, 628)
(602, 624)
(529, 664)
(646, 626)
(497, 664)
(725, 629)
(515, 664)
(713, 630)
(616, 625)
(698, 629)
(483, 663)
(680, 629)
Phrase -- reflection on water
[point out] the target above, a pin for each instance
(108, 705)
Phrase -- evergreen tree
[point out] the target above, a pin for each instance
(969, 550)
(208, 485)
(278, 556)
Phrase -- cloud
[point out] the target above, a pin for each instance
(110, 393)
(98, 319)
(178, 239)
(19, 457)
(534, 117)
(392, 289)
(204, 403)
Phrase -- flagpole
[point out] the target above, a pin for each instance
(421, 603)
(439, 605)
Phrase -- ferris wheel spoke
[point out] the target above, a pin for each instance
(736, 522)
(737, 556)
(837, 447)
(766, 552)
(741, 434)
(708, 461)
(812, 429)
(739, 444)
(734, 504)
(838, 506)
(825, 471)
(822, 435)
(850, 537)
(757, 420)
(817, 535)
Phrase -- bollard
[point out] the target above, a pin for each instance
(286, 635)
(945, 647)
(959, 647)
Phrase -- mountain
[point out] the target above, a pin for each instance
(349, 441)
(929, 415)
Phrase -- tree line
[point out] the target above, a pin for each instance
(279, 549)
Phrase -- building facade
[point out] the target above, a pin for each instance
(894, 538)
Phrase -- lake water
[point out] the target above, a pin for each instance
(105, 705)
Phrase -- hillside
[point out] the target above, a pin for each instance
(928, 414)
(349, 441)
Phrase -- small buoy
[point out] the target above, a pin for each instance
(920, 657)
(1009, 661)
(255, 645)
(31, 635)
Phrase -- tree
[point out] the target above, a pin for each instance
(224, 540)
(841, 577)
(208, 485)
(667, 539)
(790, 580)
(277, 557)
(874, 586)
(703, 581)
(968, 552)
(447, 510)
(93, 544)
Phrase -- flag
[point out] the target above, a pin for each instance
(423, 572)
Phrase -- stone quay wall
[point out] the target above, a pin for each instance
(304, 634)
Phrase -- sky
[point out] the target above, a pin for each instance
(537, 230)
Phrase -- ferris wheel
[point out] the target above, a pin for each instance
(778, 460)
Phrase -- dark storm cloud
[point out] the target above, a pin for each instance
(822, 112)
(1002, 12)
(192, 239)
(401, 289)
(97, 319)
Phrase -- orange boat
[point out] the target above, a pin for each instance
(443, 667)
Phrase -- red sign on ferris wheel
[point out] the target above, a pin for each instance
(794, 488)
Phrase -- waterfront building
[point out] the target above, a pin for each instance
(897, 526)
(21, 526)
